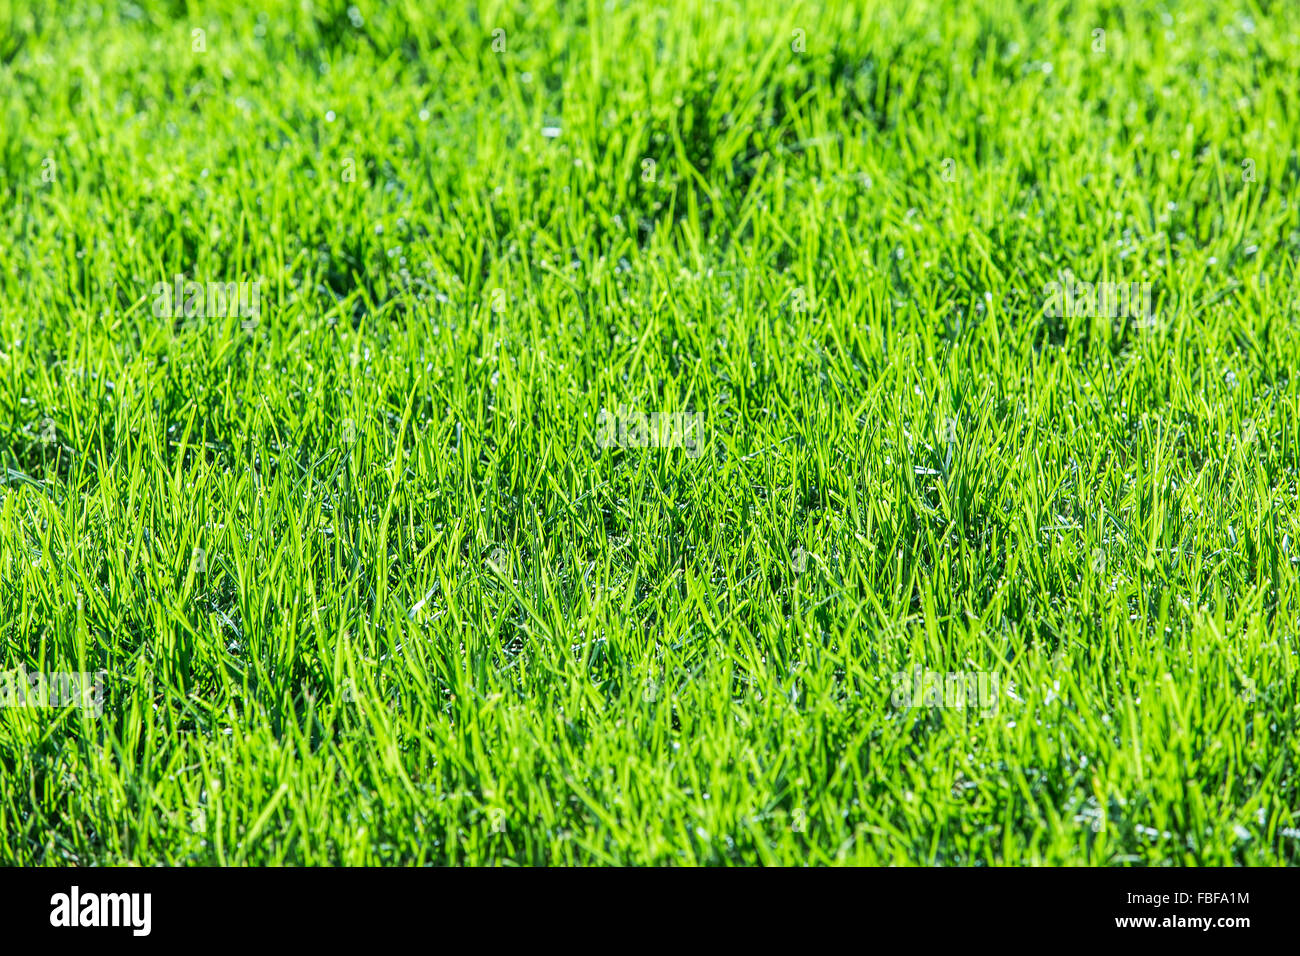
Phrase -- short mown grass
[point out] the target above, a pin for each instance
(365, 587)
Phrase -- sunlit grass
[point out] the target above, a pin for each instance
(367, 588)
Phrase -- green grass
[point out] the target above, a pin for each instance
(367, 589)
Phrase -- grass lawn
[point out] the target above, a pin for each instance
(661, 433)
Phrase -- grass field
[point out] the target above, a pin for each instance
(391, 572)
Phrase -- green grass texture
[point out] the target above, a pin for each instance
(392, 571)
